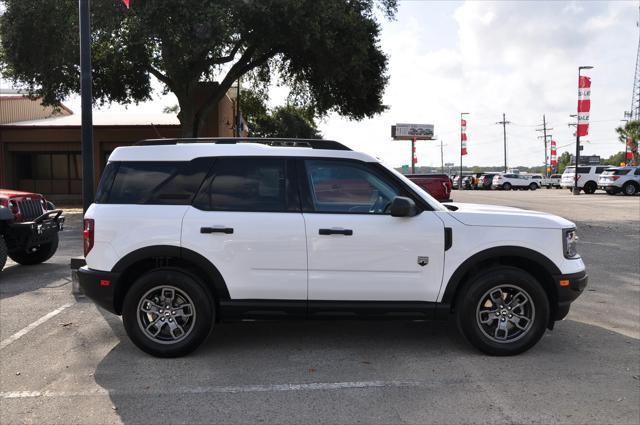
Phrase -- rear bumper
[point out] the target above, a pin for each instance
(567, 293)
(99, 286)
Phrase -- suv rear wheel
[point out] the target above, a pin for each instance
(38, 254)
(506, 186)
(630, 188)
(167, 313)
(503, 312)
(590, 187)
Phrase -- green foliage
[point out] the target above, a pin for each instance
(284, 121)
(328, 51)
(631, 130)
(615, 159)
(563, 161)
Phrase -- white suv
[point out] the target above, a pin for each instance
(587, 177)
(183, 236)
(620, 179)
(514, 181)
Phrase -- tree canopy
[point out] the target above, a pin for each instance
(631, 130)
(327, 51)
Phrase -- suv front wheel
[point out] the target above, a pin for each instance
(167, 313)
(503, 312)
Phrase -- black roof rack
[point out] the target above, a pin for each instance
(270, 141)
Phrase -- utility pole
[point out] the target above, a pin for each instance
(544, 136)
(504, 123)
(86, 101)
(441, 156)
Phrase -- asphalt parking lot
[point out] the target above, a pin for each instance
(63, 360)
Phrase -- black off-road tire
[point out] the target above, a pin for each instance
(3, 252)
(36, 255)
(467, 309)
(190, 290)
(590, 188)
(630, 188)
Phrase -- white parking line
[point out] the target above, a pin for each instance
(314, 386)
(34, 325)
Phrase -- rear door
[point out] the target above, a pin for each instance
(246, 220)
(357, 250)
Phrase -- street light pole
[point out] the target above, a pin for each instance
(86, 104)
(576, 190)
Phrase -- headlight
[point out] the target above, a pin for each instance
(570, 242)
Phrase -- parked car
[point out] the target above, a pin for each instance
(620, 179)
(236, 229)
(513, 181)
(587, 177)
(29, 227)
(436, 185)
(536, 179)
(456, 180)
(553, 181)
(485, 181)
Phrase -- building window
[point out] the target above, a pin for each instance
(58, 173)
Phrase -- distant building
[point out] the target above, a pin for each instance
(586, 160)
(40, 146)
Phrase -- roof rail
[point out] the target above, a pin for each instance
(270, 141)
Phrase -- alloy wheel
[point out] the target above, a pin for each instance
(505, 313)
(166, 314)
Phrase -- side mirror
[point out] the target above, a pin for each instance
(403, 207)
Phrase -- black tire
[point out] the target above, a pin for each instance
(190, 291)
(590, 188)
(36, 255)
(506, 186)
(533, 186)
(511, 279)
(3, 252)
(630, 189)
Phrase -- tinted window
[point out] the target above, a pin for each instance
(583, 170)
(599, 170)
(348, 187)
(621, 172)
(245, 184)
(637, 173)
(161, 183)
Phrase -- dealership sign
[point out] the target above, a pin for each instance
(412, 131)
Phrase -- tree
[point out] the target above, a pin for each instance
(327, 51)
(615, 159)
(284, 121)
(563, 161)
(631, 130)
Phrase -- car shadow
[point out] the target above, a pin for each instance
(16, 279)
(239, 374)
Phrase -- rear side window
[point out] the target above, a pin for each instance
(154, 183)
(246, 184)
(599, 170)
(583, 170)
(621, 172)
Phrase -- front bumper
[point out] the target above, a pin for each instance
(99, 286)
(570, 287)
(26, 235)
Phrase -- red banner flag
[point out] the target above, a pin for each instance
(554, 154)
(463, 137)
(414, 156)
(584, 105)
(126, 3)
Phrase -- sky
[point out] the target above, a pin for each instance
(488, 58)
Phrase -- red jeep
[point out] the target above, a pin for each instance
(29, 227)
(436, 185)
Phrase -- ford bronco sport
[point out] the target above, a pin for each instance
(185, 235)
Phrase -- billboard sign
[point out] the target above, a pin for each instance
(411, 131)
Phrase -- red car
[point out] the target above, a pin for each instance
(436, 185)
(29, 227)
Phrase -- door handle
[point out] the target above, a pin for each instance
(346, 232)
(227, 230)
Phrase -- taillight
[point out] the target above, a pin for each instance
(87, 235)
(614, 178)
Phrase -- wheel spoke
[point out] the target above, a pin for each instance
(184, 310)
(157, 325)
(149, 306)
(501, 332)
(517, 321)
(497, 297)
(168, 294)
(175, 329)
(514, 303)
(487, 317)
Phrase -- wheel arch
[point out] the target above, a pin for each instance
(136, 263)
(528, 260)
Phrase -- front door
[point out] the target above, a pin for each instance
(357, 250)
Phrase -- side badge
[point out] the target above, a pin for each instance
(423, 261)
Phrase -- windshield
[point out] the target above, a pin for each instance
(437, 206)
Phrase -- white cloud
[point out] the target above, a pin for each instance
(515, 57)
